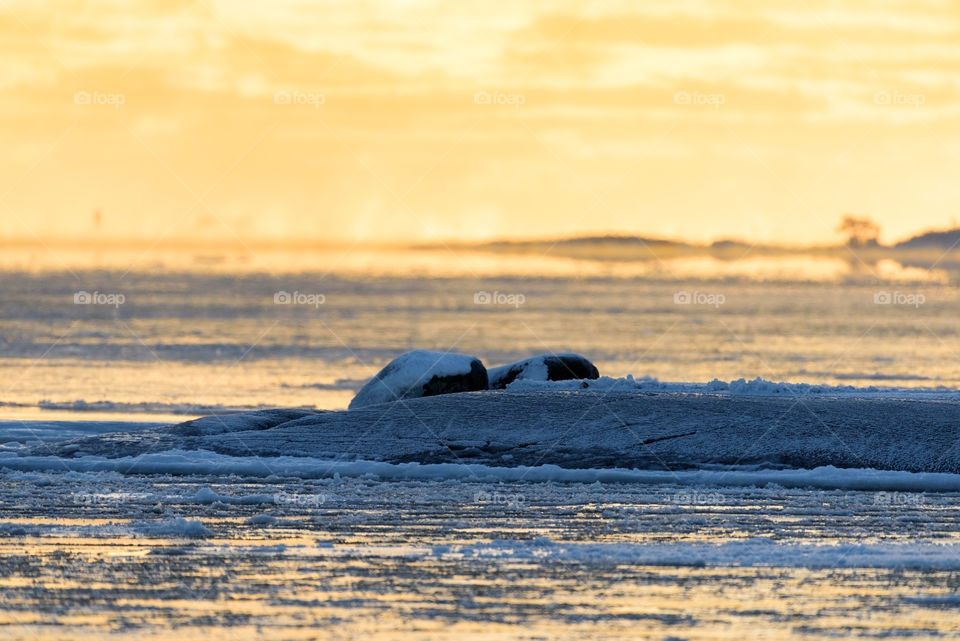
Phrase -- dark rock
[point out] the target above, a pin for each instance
(546, 367)
(422, 373)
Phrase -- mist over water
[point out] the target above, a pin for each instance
(157, 331)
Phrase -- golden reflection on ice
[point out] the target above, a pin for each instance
(305, 576)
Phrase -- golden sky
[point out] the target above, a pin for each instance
(420, 120)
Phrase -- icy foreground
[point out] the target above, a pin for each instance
(568, 430)
(127, 556)
(609, 513)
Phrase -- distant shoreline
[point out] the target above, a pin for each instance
(946, 239)
(593, 247)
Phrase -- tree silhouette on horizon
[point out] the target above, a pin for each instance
(861, 231)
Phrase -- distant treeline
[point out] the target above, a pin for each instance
(947, 239)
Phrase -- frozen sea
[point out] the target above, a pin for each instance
(281, 535)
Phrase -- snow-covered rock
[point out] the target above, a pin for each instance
(546, 367)
(556, 429)
(422, 373)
